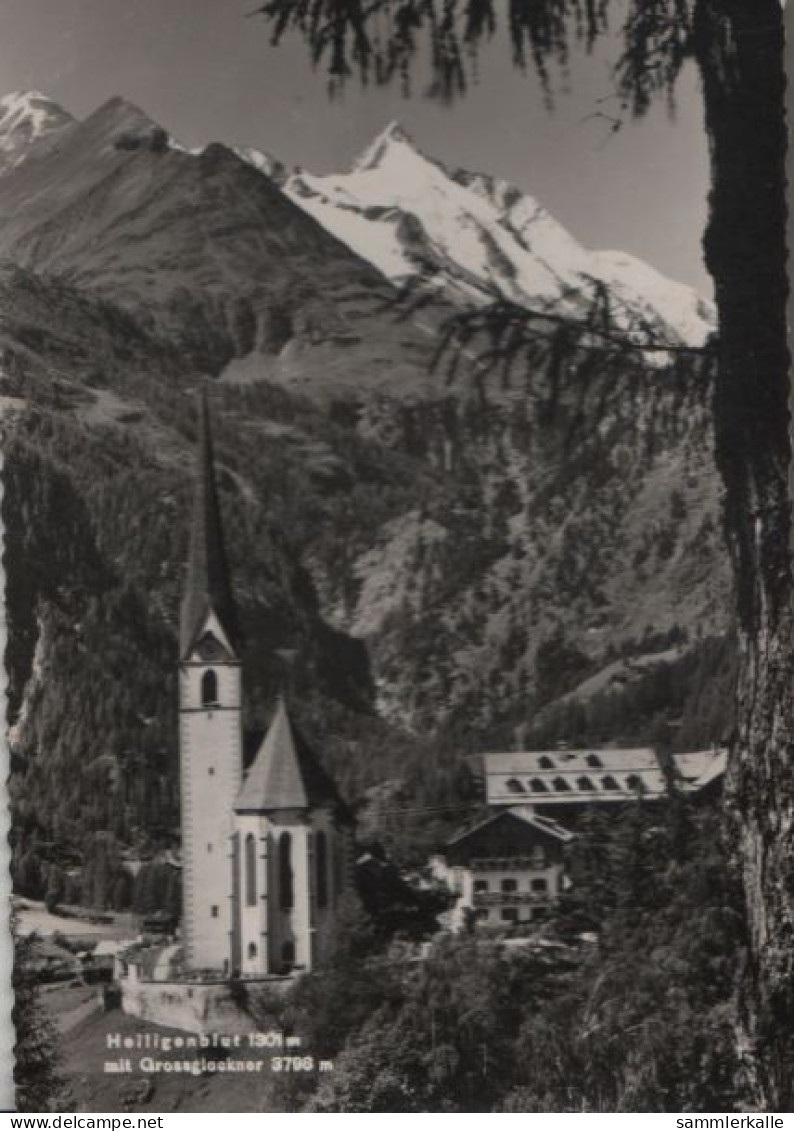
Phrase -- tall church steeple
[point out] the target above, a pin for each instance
(210, 728)
(208, 588)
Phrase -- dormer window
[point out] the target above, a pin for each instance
(561, 785)
(537, 785)
(585, 785)
(635, 782)
(514, 786)
(545, 763)
(594, 762)
(609, 782)
(209, 689)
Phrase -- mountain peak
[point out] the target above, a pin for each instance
(476, 236)
(394, 136)
(26, 116)
(28, 102)
(117, 111)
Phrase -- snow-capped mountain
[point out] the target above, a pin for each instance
(471, 236)
(25, 118)
(479, 238)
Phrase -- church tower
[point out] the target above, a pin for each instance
(265, 855)
(210, 727)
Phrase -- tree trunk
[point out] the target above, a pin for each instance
(740, 53)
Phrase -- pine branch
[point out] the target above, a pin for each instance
(386, 37)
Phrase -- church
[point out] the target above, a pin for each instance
(265, 847)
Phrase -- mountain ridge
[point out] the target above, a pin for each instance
(473, 237)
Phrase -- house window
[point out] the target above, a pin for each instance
(545, 763)
(561, 785)
(481, 885)
(321, 868)
(482, 913)
(538, 856)
(585, 784)
(540, 885)
(509, 885)
(214, 911)
(537, 785)
(250, 870)
(209, 688)
(609, 782)
(514, 786)
(594, 762)
(286, 895)
(252, 950)
(510, 914)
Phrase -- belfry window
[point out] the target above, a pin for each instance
(250, 870)
(286, 897)
(321, 867)
(209, 688)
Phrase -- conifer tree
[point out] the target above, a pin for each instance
(737, 46)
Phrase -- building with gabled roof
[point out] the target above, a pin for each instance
(264, 851)
(506, 870)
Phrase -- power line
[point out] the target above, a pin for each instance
(429, 809)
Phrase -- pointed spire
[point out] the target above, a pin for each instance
(208, 589)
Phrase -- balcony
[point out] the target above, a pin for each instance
(510, 863)
(510, 898)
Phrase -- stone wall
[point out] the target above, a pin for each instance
(193, 1007)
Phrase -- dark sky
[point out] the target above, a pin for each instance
(206, 72)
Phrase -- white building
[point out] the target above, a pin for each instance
(506, 870)
(264, 850)
(577, 777)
